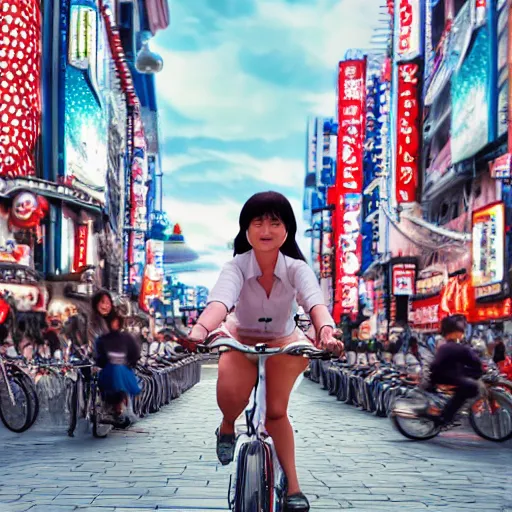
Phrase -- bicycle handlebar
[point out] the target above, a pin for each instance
(298, 348)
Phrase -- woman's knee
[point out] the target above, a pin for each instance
(236, 378)
(277, 409)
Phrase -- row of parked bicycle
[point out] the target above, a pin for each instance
(386, 390)
(68, 391)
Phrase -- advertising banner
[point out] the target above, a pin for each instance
(404, 277)
(85, 99)
(426, 314)
(81, 240)
(408, 29)
(20, 86)
(408, 132)
(470, 89)
(349, 184)
(488, 267)
(500, 168)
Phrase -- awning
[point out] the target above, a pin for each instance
(178, 252)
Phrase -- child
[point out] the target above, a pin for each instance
(117, 353)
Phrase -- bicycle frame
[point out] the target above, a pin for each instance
(255, 413)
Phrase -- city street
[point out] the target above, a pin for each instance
(348, 459)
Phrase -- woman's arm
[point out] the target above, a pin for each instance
(322, 320)
(222, 298)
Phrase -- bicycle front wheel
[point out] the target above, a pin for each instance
(491, 417)
(16, 407)
(100, 429)
(253, 479)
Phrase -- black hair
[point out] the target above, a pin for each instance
(97, 298)
(274, 205)
(117, 317)
(499, 352)
(453, 323)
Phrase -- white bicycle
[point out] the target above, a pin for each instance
(259, 483)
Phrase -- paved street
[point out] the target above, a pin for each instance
(348, 460)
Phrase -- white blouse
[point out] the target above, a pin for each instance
(258, 315)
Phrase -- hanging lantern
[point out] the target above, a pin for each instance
(148, 62)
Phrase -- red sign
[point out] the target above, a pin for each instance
(81, 239)
(408, 131)
(20, 86)
(426, 314)
(404, 276)
(349, 185)
(409, 28)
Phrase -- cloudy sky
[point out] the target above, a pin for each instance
(240, 79)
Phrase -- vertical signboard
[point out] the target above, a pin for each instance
(488, 267)
(349, 184)
(408, 29)
(408, 133)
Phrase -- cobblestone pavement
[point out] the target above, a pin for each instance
(348, 459)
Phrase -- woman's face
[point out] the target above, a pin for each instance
(105, 306)
(266, 233)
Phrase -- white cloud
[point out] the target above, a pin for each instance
(275, 171)
(209, 87)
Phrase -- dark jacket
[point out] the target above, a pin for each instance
(116, 347)
(453, 360)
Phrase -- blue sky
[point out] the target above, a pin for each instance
(240, 79)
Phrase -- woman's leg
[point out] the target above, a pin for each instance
(282, 373)
(236, 380)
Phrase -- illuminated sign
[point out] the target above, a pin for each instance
(404, 276)
(349, 184)
(408, 37)
(431, 282)
(81, 239)
(426, 313)
(82, 36)
(488, 250)
(408, 133)
(500, 168)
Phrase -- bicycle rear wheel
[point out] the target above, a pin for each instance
(16, 411)
(253, 490)
(99, 429)
(32, 394)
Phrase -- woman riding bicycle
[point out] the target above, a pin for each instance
(265, 280)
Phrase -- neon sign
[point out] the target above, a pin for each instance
(408, 136)
(349, 184)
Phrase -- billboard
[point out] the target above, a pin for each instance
(470, 90)
(86, 111)
(349, 185)
(488, 251)
(408, 132)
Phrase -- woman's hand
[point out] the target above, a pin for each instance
(327, 341)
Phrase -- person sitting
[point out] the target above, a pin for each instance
(117, 352)
(455, 364)
(503, 362)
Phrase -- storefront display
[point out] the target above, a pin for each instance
(349, 184)
(488, 250)
(408, 132)
(20, 86)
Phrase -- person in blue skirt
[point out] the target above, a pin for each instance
(117, 352)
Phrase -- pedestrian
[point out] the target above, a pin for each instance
(117, 353)
(102, 311)
(266, 279)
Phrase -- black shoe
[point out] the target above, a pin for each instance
(296, 503)
(225, 447)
